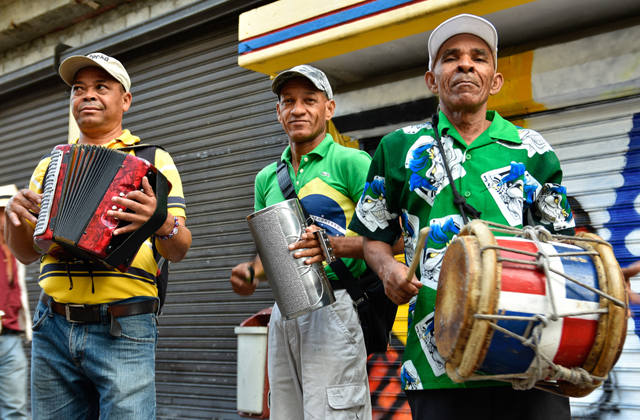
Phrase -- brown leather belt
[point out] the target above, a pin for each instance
(84, 314)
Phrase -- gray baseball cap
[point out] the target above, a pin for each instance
(315, 76)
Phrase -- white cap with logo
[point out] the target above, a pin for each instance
(463, 24)
(6, 192)
(71, 65)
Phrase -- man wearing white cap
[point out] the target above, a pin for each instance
(317, 362)
(82, 366)
(15, 325)
(467, 163)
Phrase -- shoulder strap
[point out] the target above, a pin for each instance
(284, 180)
(338, 266)
(148, 152)
(458, 200)
(145, 151)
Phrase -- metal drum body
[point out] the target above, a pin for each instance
(492, 295)
(298, 288)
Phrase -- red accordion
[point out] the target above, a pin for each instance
(78, 187)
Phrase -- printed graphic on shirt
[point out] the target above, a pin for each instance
(413, 129)
(409, 377)
(442, 232)
(426, 335)
(513, 189)
(532, 141)
(372, 207)
(552, 206)
(410, 228)
(428, 175)
(412, 309)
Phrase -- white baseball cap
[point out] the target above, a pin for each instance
(71, 65)
(463, 24)
(6, 192)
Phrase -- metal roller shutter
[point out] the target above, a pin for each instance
(218, 122)
(32, 122)
(598, 147)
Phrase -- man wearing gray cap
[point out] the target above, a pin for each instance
(83, 365)
(467, 163)
(317, 362)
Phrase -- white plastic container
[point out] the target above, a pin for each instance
(252, 365)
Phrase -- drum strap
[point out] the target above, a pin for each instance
(458, 200)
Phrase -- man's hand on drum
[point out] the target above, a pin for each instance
(142, 204)
(628, 272)
(310, 245)
(396, 286)
(23, 205)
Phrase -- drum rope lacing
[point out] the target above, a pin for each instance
(537, 323)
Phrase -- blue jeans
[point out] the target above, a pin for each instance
(13, 378)
(78, 370)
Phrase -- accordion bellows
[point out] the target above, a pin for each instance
(78, 187)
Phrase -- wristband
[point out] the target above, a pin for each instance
(252, 273)
(173, 232)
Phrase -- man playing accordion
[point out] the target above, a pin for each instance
(94, 338)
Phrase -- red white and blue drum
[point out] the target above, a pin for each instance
(523, 292)
(482, 274)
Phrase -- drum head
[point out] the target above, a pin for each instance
(457, 297)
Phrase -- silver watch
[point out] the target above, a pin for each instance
(325, 245)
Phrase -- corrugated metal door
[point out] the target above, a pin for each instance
(32, 122)
(218, 122)
(598, 147)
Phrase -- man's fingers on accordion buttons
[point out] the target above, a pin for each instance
(126, 229)
(31, 196)
(146, 186)
(14, 218)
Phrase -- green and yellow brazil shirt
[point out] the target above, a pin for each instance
(329, 182)
(102, 285)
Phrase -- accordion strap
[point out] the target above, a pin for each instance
(148, 228)
(159, 216)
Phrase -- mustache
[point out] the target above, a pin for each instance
(90, 105)
(463, 78)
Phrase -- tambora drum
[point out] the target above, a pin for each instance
(298, 288)
(548, 311)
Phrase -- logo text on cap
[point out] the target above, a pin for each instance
(99, 56)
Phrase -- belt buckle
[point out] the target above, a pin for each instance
(68, 314)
